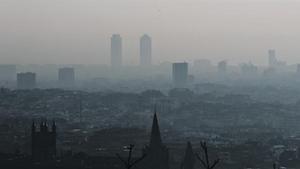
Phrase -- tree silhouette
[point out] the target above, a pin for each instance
(206, 163)
(129, 163)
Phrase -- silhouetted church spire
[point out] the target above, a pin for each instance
(189, 157)
(157, 154)
(33, 127)
(155, 132)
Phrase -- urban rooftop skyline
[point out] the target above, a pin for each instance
(78, 31)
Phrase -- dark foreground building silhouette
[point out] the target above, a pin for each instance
(43, 155)
(157, 154)
(189, 158)
(43, 143)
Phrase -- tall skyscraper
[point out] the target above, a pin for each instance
(116, 51)
(145, 50)
(26, 80)
(66, 77)
(180, 74)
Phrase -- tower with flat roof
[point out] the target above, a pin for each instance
(66, 77)
(180, 74)
(26, 80)
(116, 51)
(145, 50)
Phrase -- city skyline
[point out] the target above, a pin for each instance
(151, 84)
(119, 58)
(78, 32)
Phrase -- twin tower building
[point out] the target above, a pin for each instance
(116, 51)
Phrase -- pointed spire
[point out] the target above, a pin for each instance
(155, 139)
(33, 127)
(189, 157)
(46, 125)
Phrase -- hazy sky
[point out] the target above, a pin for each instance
(78, 31)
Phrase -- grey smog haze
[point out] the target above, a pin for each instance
(79, 31)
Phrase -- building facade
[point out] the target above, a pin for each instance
(180, 74)
(66, 77)
(43, 142)
(116, 51)
(26, 80)
(145, 50)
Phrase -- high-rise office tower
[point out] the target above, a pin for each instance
(116, 51)
(66, 76)
(272, 58)
(26, 80)
(145, 50)
(222, 66)
(180, 74)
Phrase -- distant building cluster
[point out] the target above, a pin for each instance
(28, 80)
(180, 74)
(273, 61)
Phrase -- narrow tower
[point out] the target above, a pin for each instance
(157, 154)
(43, 143)
(145, 50)
(189, 158)
(116, 51)
(155, 139)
